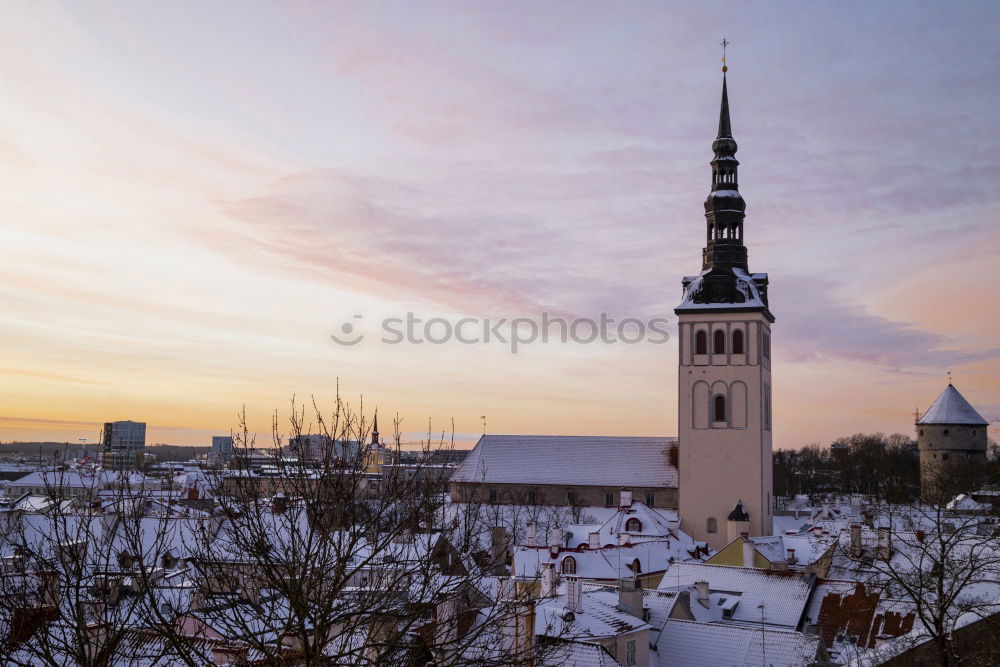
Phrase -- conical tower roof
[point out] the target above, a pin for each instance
(952, 408)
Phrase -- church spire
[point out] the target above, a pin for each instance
(375, 429)
(725, 128)
(724, 208)
(725, 273)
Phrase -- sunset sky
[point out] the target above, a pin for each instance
(195, 195)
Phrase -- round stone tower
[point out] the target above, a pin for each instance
(950, 433)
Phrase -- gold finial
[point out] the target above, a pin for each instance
(725, 42)
(949, 376)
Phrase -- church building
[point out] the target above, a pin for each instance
(724, 374)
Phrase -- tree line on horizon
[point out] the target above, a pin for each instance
(880, 466)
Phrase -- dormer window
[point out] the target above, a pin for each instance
(633, 525)
(569, 565)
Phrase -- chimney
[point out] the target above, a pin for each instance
(279, 504)
(702, 587)
(446, 629)
(626, 498)
(555, 537)
(548, 580)
(791, 559)
(818, 530)
(630, 597)
(856, 540)
(505, 589)
(498, 546)
(93, 610)
(825, 512)
(884, 544)
(574, 594)
(624, 539)
(531, 534)
(594, 541)
(748, 553)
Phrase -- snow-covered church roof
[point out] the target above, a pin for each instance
(570, 460)
(952, 408)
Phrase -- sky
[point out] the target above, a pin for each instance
(195, 196)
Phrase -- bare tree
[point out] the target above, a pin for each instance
(943, 564)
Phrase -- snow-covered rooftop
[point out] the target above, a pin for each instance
(952, 408)
(783, 594)
(570, 460)
(689, 643)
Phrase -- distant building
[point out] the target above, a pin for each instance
(222, 448)
(311, 447)
(122, 444)
(568, 470)
(950, 432)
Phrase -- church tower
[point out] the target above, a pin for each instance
(724, 377)
(951, 436)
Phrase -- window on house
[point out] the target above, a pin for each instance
(493, 494)
(633, 525)
(609, 498)
(701, 343)
(532, 497)
(767, 346)
(570, 497)
(630, 653)
(738, 341)
(569, 565)
(712, 525)
(921, 431)
(946, 431)
(720, 408)
(944, 457)
(650, 499)
(719, 345)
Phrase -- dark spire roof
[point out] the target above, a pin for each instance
(725, 281)
(725, 129)
(375, 429)
(739, 512)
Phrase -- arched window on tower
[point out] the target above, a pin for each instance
(738, 341)
(700, 343)
(719, 408)
(719, 346)
(712, 525)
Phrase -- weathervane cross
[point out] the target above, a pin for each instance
(724, 43)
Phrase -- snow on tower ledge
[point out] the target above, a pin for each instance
(952, 408)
